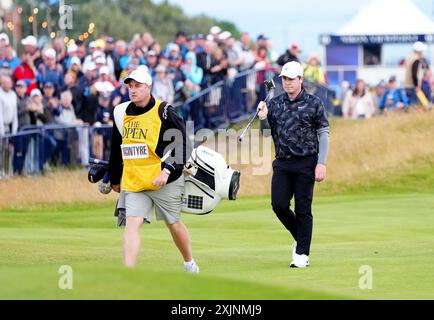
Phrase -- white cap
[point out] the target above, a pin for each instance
(35, 92)
(292, 70)
(173, 47)
(225, 35)
(140, 75)
(30, 41)
(100, 60)
(92, 44)
(75, 60)
(104, 86)
(160, 68)
(72, 48)
(143, 68)
(50, 53)
(215, 30)
(419, 46)
(89, 66)
(210, 37)
(5, 37)
(104, 70)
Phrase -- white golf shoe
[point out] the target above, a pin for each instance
(299, 261)
(191, 267)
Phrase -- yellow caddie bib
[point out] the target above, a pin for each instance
(139, 140)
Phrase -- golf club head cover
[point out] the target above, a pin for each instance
(96, 172)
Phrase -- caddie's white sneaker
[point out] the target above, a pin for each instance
(299, 261)
(191, 267)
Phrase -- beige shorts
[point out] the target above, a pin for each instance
(167, 202)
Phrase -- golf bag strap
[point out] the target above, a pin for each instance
(119, 114)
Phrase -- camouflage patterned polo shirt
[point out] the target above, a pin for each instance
(295, 125)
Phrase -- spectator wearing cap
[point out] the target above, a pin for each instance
(30, 44)
(101, 47)
(38, 114)
(22, 100)
(200, 44)
(222, 37)
(50, 70)
(191, 43)
(71, 51)
(8, 107)
(109, 47)
(180, 41)
(193, 75)
(175, 74)
(162, 87)
(20, 143)
(394, 98)
(312, 71)
(105, 77)
(4, 40)
(415, 66)
(214, 33)
(290, 55)
(5, 69)
(88, 79)
(27, 71)
(49, 98)
(262, 41)
(8, 56)
(92, 47)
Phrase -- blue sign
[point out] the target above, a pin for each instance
(328, 39)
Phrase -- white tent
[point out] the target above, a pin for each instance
(388, 17)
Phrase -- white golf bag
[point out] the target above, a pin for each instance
(211, 181)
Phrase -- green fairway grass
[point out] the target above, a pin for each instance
(243, 252)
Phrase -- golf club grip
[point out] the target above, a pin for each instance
(98, 161)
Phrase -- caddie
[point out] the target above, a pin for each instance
(139, 168)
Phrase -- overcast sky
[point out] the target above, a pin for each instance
(285, 21)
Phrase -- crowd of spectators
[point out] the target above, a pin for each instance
(33, 82)
(80, 83)
(415, 91)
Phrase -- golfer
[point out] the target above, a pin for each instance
(136, 167)
(300, 132)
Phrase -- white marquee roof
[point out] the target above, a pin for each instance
(388, 17)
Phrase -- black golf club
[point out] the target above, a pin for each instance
(269, 84)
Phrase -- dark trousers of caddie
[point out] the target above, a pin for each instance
(295, 178)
